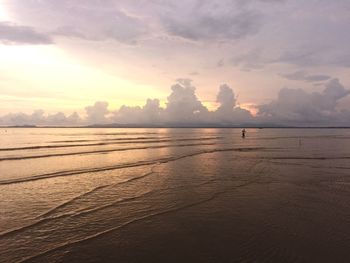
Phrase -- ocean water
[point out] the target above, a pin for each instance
(174, 195)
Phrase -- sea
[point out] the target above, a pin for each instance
(174, 195)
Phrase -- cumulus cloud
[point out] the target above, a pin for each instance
(150, 113)
(226, 98)
(12, 34)
(183, 107)
(97, 113)
(296, 106)
(228, 112)
(304, 76)
(39, 117)
(293, 107)
(183, 104)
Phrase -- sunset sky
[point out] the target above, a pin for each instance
(287, 61)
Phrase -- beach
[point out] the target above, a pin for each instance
(174, 195)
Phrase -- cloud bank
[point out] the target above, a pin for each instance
(292, 107)
(297, 107)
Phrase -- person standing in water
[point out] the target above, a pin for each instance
(243, 133)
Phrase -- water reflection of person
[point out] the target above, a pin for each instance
(243, 133)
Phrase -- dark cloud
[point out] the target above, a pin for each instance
(12, 34)
(201, 23)
(304, 76)
(198, 20)
(315, 55)
(302, 56)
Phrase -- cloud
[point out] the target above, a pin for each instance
(89, 20)
(12, 34)
(127, 21)
(210, 20)
(296, 106)
(250, 60)
(97, 113)
(150, 113)
(293, 107)
(182, 108)
(303, 56)
(226, 98)
(314, 55)
(220, 63)
(311, 56)
(183, 105)
(39, 117)
(304, 76)
(113, 24)
(194, 73)
(228, 112)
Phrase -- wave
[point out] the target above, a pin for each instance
(46, 216)
(120, 141)
(302, 137)
(173, 209)
(121, 166)
(14, 158)
(162, 211)
(72, 214)
(64, 204)
(99, 234)
(110, 139)
(53, 210)
(82, 212)
(321, 158)
(310, 165)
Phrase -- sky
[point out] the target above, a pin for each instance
(227, 62)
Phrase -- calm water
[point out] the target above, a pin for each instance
(174, 195)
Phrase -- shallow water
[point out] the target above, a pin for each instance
(174, 195)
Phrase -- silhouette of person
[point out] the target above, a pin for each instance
(243, 133)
